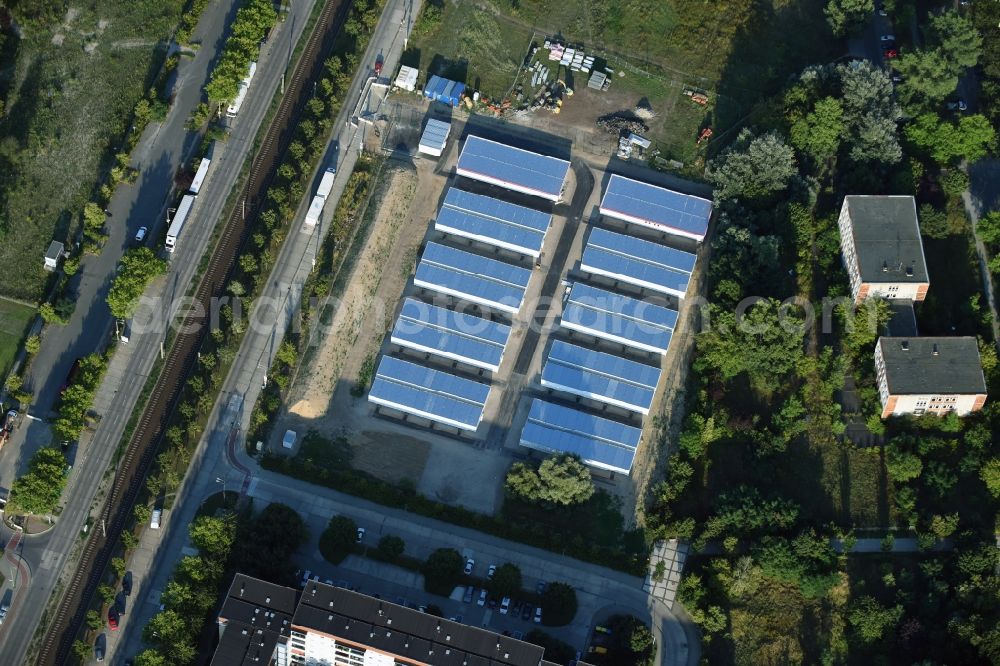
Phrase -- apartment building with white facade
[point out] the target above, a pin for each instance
(933, 375)
(881, 248)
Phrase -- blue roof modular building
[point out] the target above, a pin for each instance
(605, 378)
(471, 277)
(453, 335)
(434, 395)
(656, 207)
(494, 222)
(619, 319)
(444, 90)
(599, 442)
(637, 262)
(513, 168)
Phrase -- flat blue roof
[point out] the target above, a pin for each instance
(639, 262)
(603, 377)
(493, 222)
(656, 207)
(431, 394)
(472, 277)
(616, 318)
(455, 335)
(512, 168)
(598, 441)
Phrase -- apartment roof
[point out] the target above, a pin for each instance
(400, 631)
(932, 365)
(256, 616)
(887, 238)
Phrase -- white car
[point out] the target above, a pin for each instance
(887, 38)
(141, 234)
(469, 564)
(482, 597)
(538, 615)
(154, 521)
(361, 534)
(505, 605)
(491, 571)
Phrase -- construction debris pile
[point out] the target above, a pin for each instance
(622, 123)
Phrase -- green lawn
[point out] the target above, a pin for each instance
(14, 322)
(69, 99)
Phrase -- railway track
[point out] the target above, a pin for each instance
(145, 440)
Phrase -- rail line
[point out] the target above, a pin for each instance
(145, 440)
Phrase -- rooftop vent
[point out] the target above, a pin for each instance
(506, 655)
(244, 632)
(388, 620)
(905, 345)
(267, 600)
(371, 635)
(447, 637)
(331, 604)
(329, 617)
(447, 651)
(242, 587)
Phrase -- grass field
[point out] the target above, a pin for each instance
(738, 50)
(69, 99)
(14, 321)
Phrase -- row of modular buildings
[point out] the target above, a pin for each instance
(602, 366)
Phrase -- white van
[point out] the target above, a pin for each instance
(154, 522)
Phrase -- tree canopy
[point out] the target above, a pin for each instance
(847, 16)
(138, 267)
(338, 539)
(871, 619)
(38, 491)
(561, 480)
(558, 604)
(754, 167)
(956, 37)
(818, 134)
(506, 581)
(213, 536)
(948, 142)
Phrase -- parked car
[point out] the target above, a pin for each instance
(141, 234)
(540, 587)
(154, 521)
(505, 605)
(469, 591)
(887, 38)
(469, 564)
(890, 53)
(516, 610)
(120, 605)
(538, 615)
(482, 597)
(100, 643)
(526, 613)
(361, 534)
(491, 604)
(127, 583)
(113, 619)
(378, 68)
(957, 105)
(491, 572)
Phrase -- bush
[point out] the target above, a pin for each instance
(954, 182)
(558, 604)
(338, 539)
(442, 571)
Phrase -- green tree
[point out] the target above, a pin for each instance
(902, 465)
(847, 16)
(338, 539)
(170, 634)
(106, 593)
(506, 581)
(391, 547)
(943, 527)
(990, 474)
(442, 569)
(558, 604)
(82, 650)
(765, 344)
(150, 657)
(957, 38)
(870, 113)
(32, 344)
(561, 480)
(38, 492)
(871, 620)
(754, 167)
(138, 267)
(119, 566)
(988, 228)
(928, 78)
(948, 142)
(933, 222)
(818, 133)
(213, 536)
(93, 620)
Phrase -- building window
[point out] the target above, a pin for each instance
(918, 411)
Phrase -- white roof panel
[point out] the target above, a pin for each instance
(431, 394)
(603, 377)
(638, 262)
(620, 319)
(461, 337)
(472, 277)
(513, 168)
(656, 207)
(598, 441)
(493, 222)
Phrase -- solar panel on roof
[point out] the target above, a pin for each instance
(455, 335)
(656, 207)
(472, 277)
(609, 316)
(512, 168)
(431, 394)
(493, 221)
(598, 441)
(603, 377)
(638, 262)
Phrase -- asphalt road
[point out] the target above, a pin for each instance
(46, 555)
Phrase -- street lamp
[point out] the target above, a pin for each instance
(219, 479)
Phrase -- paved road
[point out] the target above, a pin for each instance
(46, 555)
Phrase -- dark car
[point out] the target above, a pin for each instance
(127, 583)
(120, 602)
(526, 612)
(469, 591)
(99, 646)
(516, 610)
